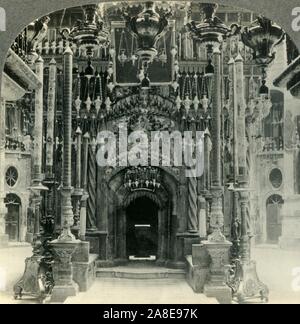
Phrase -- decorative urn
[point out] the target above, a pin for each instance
(211, 31)
(262, 37)
(147, 27)
(90, 34)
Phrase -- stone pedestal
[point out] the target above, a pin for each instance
(198, 267)
(63, 271)
(216, 287)
(84, 273)
(188, 242)
(84, 266)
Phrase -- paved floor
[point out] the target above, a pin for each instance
(128, 291)
(277, 268)
(11, 269)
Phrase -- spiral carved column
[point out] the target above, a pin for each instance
(92, 188)
(192, 211)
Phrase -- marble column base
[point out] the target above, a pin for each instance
(217, 287)
(4, 240)
(64, 286)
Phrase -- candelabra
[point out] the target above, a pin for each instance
(147, 27)
(243, 278)
(142, 178)
(89, 35)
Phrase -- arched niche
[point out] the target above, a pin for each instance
(13, 217)
(274, 218)
(165, 198)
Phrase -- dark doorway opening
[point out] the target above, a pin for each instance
(274, 219)
(142, 229)
(12, 219)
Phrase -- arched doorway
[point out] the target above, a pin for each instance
(142, 229)
(274, 218)
(12, 219)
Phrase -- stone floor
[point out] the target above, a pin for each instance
(150, 291)
(275, 268)
(11, 269)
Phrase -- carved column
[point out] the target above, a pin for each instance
(201, 202)
(233, 86)
(38, 124)
(51, 119)
(241, 115)
(37, 153)
(78, 191)
(202, 216)
(247, 284)
(66, 208)
(235, 224)
(245, 248)
(66, 244)
(78, 159)
(242, 162)
(192, 200)
(49, 219)
(217, 245)
(92, 187)
(3, 210)
(217, 216)
(85, 195)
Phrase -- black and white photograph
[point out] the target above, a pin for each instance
(149, 154)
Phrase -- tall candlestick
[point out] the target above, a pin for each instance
(217, 216)
(241, 132)
(50, 118)
(232, 75)
(38, 123)
(216, 120)
(66, 208)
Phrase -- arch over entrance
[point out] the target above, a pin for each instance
(144, 221)
(12, 219)
(142, 228)
(274, 218)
